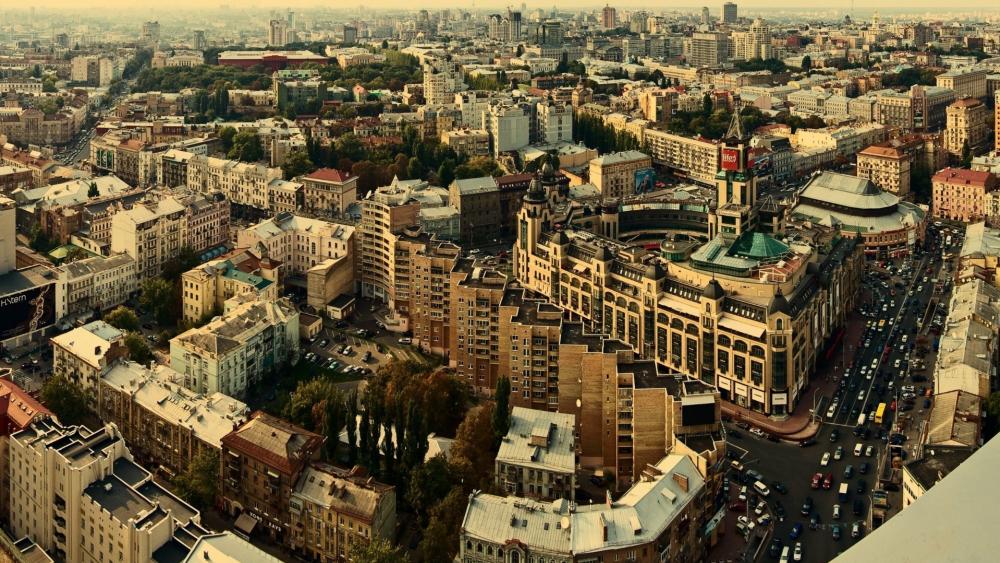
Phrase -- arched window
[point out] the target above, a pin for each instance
(661, 318)
(676, 323)
(779, 324)
(724, 340)
(740, 346)
(757, 352)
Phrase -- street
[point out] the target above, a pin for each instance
(873, 371)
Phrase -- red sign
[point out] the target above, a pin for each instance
(730, 159)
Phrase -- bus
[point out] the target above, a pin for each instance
(879, 413)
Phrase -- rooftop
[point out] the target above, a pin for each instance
(90, 342)
(539, 439)
(275, 442)
(965, 176)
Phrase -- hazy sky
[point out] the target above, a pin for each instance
(860, 5)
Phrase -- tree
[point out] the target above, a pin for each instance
(446, 173)
(246, 147)
(309, 403)
(388, 452)
(49, 86)
(966, 155)
(226, 135)
(378, 550)
(440, 542)
(807, 63)
(65, 400)
(92, 191)
(351, 419)
(473, 453)
(429, 483)
(706, 105)
(174, 267)
(199, 484)
(123, 318)
(501, 414)
(296, 164)
(520, 50)
(333, 421)
(160, 297)
(36, 71)
(415, 169)
(138, 349)
(385, 43)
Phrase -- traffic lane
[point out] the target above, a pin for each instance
(794, 466)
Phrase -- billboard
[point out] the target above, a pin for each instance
(27, 311)
(761, 165)
(730, 159)
(645, 180)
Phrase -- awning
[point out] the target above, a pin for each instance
(742, 327)
(245, 524)
(681, 306)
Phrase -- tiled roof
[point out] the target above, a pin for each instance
(277, 443)
(19, 407)
(330, 175)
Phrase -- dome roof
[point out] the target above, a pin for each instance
(535, 192)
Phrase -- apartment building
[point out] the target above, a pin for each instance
(131, 159)
(537, 457)
(244, 185)
(20, 411)
(967, 82)
(384, 215)
(921, 108)
(980, 254)
(660, 518)
(442, 79)
(708, 48)
(329, 191)
(262, 462)
(238, 349)
(968, 127)
(996, 121)
(29, 126)
(156, 229)
(695, 159)
(80, 496)
(205, 288)
(98, 283)
(960, 194)
(15, 178)
(41, 166)
(969, 348)
(83, 355)
(554, 123)
(470, 142)
(334, 511)
(617, 174)
(165, 425)
(887, 167)
(474, 320)
(423, 269)
(299, 242)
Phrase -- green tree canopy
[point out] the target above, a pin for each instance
(161, 298)
(297, 163)
(65, 400)
(138, 349)
(378, 550)
(199, 484)
(246, 147)
(123, 318)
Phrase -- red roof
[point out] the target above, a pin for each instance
(18, 409)
(330, 175)
(275, 442)
(964, 176)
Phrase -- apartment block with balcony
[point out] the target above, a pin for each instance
(205, 288)
(474, 320)
(334, 511)
(887, 167)
(299, 242)
(615, 174)
(961, 195)
(165, 425)
(537, 457)
(967, 82)
(329, 191)
(83, 355)
(967, 128)
(262, 462)
(97, 283)
(232, 352)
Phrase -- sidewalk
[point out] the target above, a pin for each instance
(799, 425)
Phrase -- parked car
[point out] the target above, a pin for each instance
(406, 340)
(835, 530)
(796, 531)
(807, 506)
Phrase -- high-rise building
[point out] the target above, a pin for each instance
(199, 42)
(608, 17)
(706, 16)
(729, 14)
(277, 33)
(151, 32)
(708, 48)
(350, 34)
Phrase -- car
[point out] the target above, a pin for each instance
(775, 549)
(863, 469)
(835, 435)
(814, 521)
(743, 493)
(861, 486)
(848, 472)
(406, 340)
(869, 451)
(761, 508)
(778, 486)
(835, 530)
(807, 443)
(861, 395)
(836, 512)
(342, 324)
(828, 481)
(367, 357)
(859, 507)
(856, 530)
(825, 460)
(838, 453)
(807, 506)
(817, 478)
(796, 531)
(859, 448)
(735, 506)
(779, 511)
(797, 554)
(735, 464)
(757, 432)
(745, 520)
(764, 520)
(323, 343)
